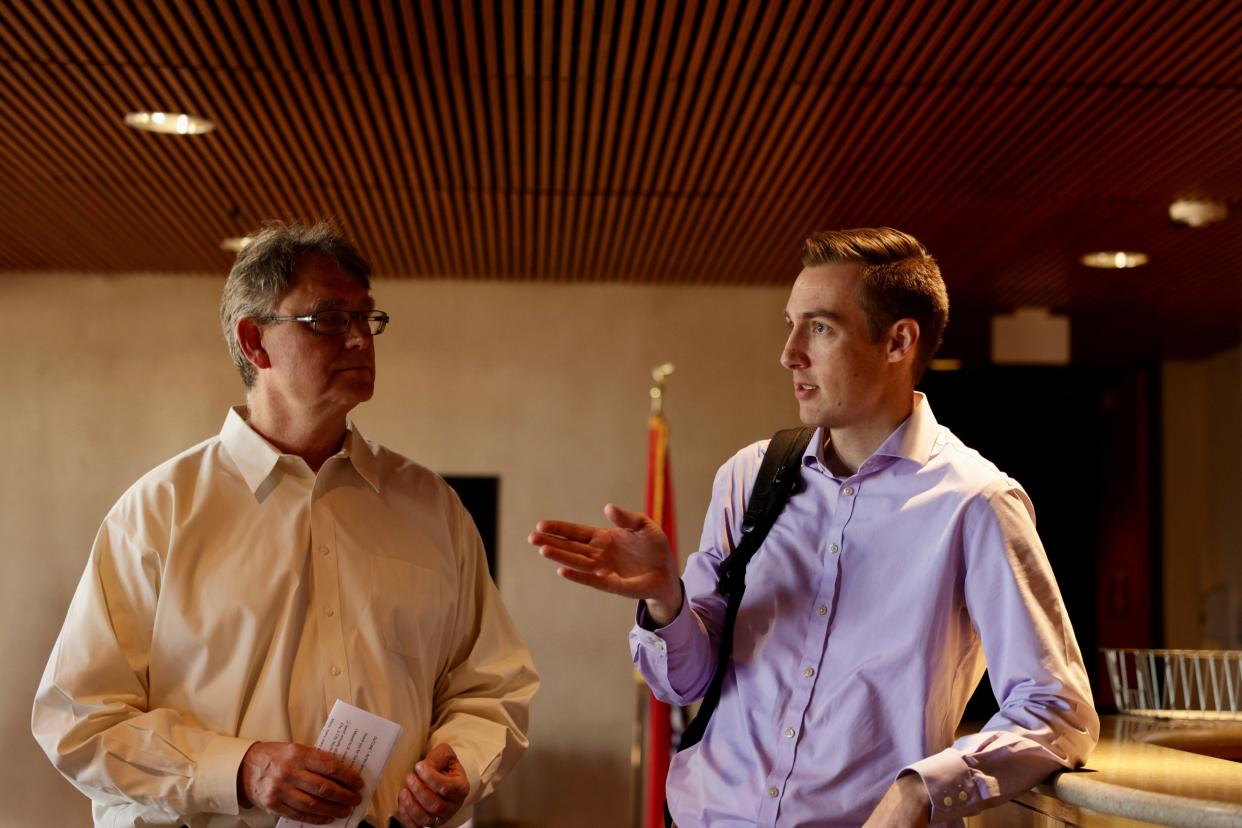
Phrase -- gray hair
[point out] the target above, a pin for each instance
(265, 270)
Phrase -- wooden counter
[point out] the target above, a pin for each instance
(1143, 772)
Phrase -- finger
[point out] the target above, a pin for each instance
(549, 539)
(430, 801)
(325, 764)
(448, 786)
(321, 787)
(576, 547)
(411, 810)
(604, 583)
(565, 529)
(440, 758)
(321, 810)
(570, 560)
(623, 519)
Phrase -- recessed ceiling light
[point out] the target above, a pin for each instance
(1196, 212)
(1114, 259)
(943, 364)
(235, 244)
(172, 123)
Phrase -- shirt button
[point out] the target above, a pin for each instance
(847, 491)
(962, 795)
(324, 550)
(789, 734)
(833, 548)
(808, 672)
(948, 801)
(821, 609)
(336, 671)
(330, 612)
(773, 792)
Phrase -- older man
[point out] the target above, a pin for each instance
(237, 590)
(901, 560)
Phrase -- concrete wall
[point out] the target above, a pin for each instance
(545, 386)
(1203, 501)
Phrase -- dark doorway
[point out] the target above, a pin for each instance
(1083, 442)
(481, 497)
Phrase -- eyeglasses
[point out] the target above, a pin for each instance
(337, 322)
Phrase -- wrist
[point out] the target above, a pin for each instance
(664, 608)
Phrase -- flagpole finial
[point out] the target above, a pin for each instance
(658, 375)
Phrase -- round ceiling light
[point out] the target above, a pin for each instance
(1197, 212)
(171, 123)
(1115, 259)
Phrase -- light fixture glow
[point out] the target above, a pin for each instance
(169, 123)
(1114, 259)
(1197, 212)
(235, 244)
(944, 364)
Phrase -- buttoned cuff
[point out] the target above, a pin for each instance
(214, 786)
(950, 784)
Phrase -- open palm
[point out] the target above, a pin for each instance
(631, 558)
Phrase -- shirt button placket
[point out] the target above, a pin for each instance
(328, 596)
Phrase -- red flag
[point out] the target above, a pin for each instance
(660, 510)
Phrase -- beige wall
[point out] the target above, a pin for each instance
(1202, 417)
(545, 386)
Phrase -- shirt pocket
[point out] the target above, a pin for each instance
(412, 607)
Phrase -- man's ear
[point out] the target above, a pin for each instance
(903, 340)
(250, 337)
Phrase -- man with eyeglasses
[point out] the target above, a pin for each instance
(239, 589)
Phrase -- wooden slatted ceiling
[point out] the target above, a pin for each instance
(677, 142)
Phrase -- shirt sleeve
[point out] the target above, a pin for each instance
(91, 714)
(482, 698)
(678, 660)
(1047, 719)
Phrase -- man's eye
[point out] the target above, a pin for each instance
(819, 327)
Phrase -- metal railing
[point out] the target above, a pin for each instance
(1177, 683)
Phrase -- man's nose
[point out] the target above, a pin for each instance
(358, 334)
(793, 356)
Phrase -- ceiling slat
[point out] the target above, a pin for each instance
(688, 141)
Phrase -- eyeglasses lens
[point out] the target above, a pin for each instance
(335, 323)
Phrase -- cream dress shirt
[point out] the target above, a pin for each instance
(232, 595)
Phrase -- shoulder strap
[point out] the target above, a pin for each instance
(780, 473)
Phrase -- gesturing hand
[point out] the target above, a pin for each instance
(633, 559)
(434, 791)
(298, 782)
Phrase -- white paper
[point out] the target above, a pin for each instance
(365, 742)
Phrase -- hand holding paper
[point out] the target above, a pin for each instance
(360, 743)
(296, 781)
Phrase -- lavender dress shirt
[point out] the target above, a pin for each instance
(867, 617)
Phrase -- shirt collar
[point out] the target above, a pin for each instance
(256, 458)
(915, 439)
(361, 454)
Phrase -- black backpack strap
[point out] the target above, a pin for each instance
(780, 474)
